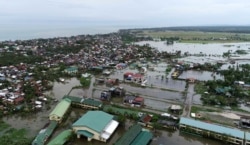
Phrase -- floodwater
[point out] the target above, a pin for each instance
(200, 75)
(154, 98)
(32, 122)
(196, 48)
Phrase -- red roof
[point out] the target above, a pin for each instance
(128, 73)
(147, 118)
(137, 75)
(139, 99)
(18, 99)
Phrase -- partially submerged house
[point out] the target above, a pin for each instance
(134, 100)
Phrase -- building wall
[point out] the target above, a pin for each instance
(55, 118)
(96, 135)
(210, 134)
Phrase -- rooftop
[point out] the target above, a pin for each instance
(96, 120)
(213, 127)
(135, 136)
(61, 107)
(61, 138)
(87, 101)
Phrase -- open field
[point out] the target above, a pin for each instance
(197, 36)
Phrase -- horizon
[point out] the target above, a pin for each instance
(48, 32)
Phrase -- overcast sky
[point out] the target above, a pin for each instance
(15, 14)
(126, 12)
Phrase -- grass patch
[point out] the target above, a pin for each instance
(197, 36)
(12, 136)
(3, 125)
(196, 109)
(239, 110)
(200, 88)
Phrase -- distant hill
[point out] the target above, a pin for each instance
(229, 29)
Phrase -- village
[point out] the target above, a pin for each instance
(121, 82)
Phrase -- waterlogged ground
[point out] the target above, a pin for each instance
(161, 92)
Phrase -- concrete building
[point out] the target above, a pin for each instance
(226, 134)
(96, 125)
(85, 103)
(60, 110)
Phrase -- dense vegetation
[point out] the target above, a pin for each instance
(10, 58)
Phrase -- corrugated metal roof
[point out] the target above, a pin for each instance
(130, 135)
(213, 127)
(96, 120)
(247, 136)
(44, 134)
(87, 101)
(143, 138)
(61, 108)
(61, 138)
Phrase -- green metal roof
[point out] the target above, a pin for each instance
(61, 108)
(143, 138)
(130, 135)
(87, 101)
(44, 134)
(85, 133)
(213, 127)
(96, 120)
(62, 138)
(71, 69)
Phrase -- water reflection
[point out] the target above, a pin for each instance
(196, 48)
(200, 75)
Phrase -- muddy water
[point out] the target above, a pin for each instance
(195, 48)
(200, 75)
(177, 138)
(32, 122)
(36, 121)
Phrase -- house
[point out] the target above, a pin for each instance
(139, 101)
(135, 136)
(128, 76)
(175, 108)
(18, 100)
(145, 120)
(105, 95)
(60, 110)
(117, 91)
(112, 82)
(135, 100)
(96, 125)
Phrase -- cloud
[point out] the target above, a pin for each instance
(130, 12)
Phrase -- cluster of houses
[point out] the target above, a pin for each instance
(13, 80)
(84, 52)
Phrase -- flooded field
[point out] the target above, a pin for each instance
(196, 48)
(200, 75)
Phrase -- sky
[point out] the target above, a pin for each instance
(33, 14)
